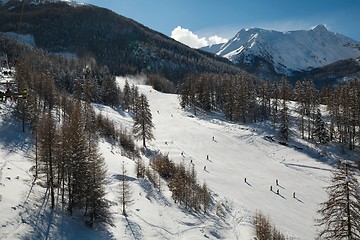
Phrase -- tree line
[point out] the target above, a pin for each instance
(249, 100)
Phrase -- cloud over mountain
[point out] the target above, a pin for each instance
(189, 38)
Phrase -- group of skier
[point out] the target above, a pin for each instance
(245, 180)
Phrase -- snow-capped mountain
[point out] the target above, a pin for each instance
(287, 52)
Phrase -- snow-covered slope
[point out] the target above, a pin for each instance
(288, 51)
(236, 152)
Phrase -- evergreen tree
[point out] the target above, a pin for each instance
(265, 99)
(134, 97)
(47, 139)
(110, 92)
(320, 132)
(143, 125)
(185, 91)
(96, 204)
(229, 93)
(140, 168)
(76, 157)
(205, 197)
(284, 122)
(341, 212)
(126, 97)
(284, 115)
(125, 194)
(300, 98)
(311, 104)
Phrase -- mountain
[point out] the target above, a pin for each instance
(332, 74)
(272, 52)
(122, 44)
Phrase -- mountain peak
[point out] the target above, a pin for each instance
(289, 52)
(319, 28)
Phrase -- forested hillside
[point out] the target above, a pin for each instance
(67, 127)
(250, 101)
(123, 45)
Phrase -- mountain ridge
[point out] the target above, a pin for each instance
(120, 43)
(288, 52)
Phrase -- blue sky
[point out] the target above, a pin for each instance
(201, 20)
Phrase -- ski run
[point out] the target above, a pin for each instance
(243, 166)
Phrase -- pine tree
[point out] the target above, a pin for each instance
(185, 91)
(47, 139)
(126, 99)
(76, 156)
(125, 194)
(311, 104)
(341, 212)
(264, 96)
(320, 132)
(110, 92)
(134, 96)
(229, 93)
(284, 115)
(300, 102)
(275, 105)
(284, 122)
(143, 125)
(205, 197)
(140, 168)
(96, 204)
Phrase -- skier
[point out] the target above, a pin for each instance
(207, 157)
(271, 188)
(277, 191)
(204, 168)
(245, 180)
(294, 195)
(277, 182)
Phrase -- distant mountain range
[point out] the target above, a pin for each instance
(287, 53)
(127, 47)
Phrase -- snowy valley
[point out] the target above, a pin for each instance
(242, 163)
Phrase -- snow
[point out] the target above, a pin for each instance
(290, 51)
(236, 152)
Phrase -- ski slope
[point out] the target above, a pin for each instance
(240, 152)
(235, 152)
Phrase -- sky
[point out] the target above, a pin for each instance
(199, 23)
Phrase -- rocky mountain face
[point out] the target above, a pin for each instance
(271, 53)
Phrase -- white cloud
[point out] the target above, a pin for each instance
(216, 39)
(187, 37)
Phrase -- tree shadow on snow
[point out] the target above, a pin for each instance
(12, 136)
(47, 223)
(120, 177)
